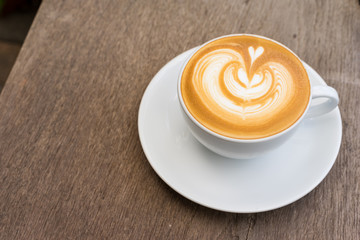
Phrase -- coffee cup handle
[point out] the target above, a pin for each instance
(331, 102)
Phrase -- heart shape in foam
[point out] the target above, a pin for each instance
(242, 74)
(254, 54)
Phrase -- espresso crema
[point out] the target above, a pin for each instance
(245, 87)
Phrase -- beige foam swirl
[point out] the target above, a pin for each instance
(222, 80)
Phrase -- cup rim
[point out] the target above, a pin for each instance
(230, 139)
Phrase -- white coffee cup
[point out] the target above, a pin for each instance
(245, 149)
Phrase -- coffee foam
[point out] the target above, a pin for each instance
(245, 87)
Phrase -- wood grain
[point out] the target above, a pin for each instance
(71, 164)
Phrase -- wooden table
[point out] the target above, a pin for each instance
(71, 163)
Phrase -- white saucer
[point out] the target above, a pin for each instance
(241, 186)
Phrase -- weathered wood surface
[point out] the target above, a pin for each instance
(71, 164)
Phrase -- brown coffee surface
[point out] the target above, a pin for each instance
(245, 87)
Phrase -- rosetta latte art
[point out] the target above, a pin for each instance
(222, 79)
(245, 87)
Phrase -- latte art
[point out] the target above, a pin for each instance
(244, 89)
(222, 80)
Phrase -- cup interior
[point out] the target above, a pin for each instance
(200, 125)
